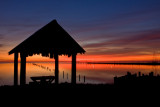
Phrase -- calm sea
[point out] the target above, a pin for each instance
(94, 73)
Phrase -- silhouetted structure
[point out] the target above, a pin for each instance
(79, 78)
(140, 80)
(63, 74)
(50, 41)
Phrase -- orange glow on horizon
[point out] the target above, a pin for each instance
(82, 58)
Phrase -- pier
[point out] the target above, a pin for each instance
(138, 79)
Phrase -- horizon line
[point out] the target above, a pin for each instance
(147, 61)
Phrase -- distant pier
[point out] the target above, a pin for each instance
(138, 79)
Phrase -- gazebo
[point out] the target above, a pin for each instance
(49, 41)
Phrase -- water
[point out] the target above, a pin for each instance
(94, 73)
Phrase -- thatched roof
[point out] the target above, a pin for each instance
(50, 39)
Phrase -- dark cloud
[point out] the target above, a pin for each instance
(121, 51)
(1, 45)
(19, 26)
(10, 28)
(1, 36)
(139, 39)
(143, 43)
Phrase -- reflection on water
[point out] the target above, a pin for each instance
(94, 73)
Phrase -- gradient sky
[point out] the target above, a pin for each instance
(109, 30)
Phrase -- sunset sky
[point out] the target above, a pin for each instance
(109, 30)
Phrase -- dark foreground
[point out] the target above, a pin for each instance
(82, 95)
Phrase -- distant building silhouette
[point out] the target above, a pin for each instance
(50, 41)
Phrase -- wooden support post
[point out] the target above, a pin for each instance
(63, 74)
(23, 69)
(79, 77)
(15, 69)
(73, 78)
(56, 69)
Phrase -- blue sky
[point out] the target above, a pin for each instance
(102, 27)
